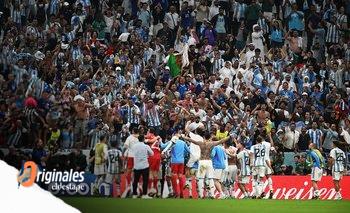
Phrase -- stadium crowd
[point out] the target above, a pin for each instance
(75, 70)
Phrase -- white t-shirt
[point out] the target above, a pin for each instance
(201, 113)
(141, 152)
(129, 143)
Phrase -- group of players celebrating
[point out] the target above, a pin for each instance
(207, 158)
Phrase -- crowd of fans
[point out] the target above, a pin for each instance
(71, 71)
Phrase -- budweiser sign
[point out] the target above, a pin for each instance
(288, 187)
(300, 187)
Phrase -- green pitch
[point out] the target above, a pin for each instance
(109, 205)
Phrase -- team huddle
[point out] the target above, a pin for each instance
(211, 160)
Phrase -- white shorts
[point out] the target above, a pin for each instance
(243, 179)
(110, 177)
(268, 171)
(191, 161)
(259, 171)
(232, 173)
(219, 174)
(337, 175)
(100, 169)
(205, 169)
(316, 174)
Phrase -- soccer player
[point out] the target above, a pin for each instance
(130, 141)
(231, 171)
(205, 164)
(192, 163)
(100, 163)
(258, 162)
(114, 169)
(154, 161)
(166, 172)
(178, 151)
(315, 158)
(219, 158)
(244, 168)
(337, 161)
(268, 167)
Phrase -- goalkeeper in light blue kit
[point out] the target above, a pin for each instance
(316, 161)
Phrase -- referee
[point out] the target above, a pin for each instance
(141, 152)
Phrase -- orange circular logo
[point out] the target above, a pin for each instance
(27, 175)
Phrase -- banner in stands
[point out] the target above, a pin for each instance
(285, 187)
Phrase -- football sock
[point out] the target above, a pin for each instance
(200, 187)
(269, 180)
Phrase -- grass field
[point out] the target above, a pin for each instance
(109, 205)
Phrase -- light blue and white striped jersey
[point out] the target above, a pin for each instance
(339, 159)
(332, 35)
(152, 116)
(137, 70)
(259, 152)
(132, 114)
(113, 158)
(239, 10)
(243, 158)
(315, 136)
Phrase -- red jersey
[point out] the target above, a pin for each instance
(154, 146)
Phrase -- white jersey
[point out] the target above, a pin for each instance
(130, 141)
(243, 159)
(267, 150)
(259, 152)
(339, 158)
(113, 158)
(195, 149)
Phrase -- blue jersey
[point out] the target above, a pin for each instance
(218, 157)
(178, 151)
(314, 159)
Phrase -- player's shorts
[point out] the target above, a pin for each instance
(231, 173)
(110, 177)
(259, 171)
(177, 168)
(337, 175)
(219, 174)
(191, 162)
(243, 179)
(268, 171)
(316, 174)
(154, 164)
(130, 163)
(100, 169)
(205, 169)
